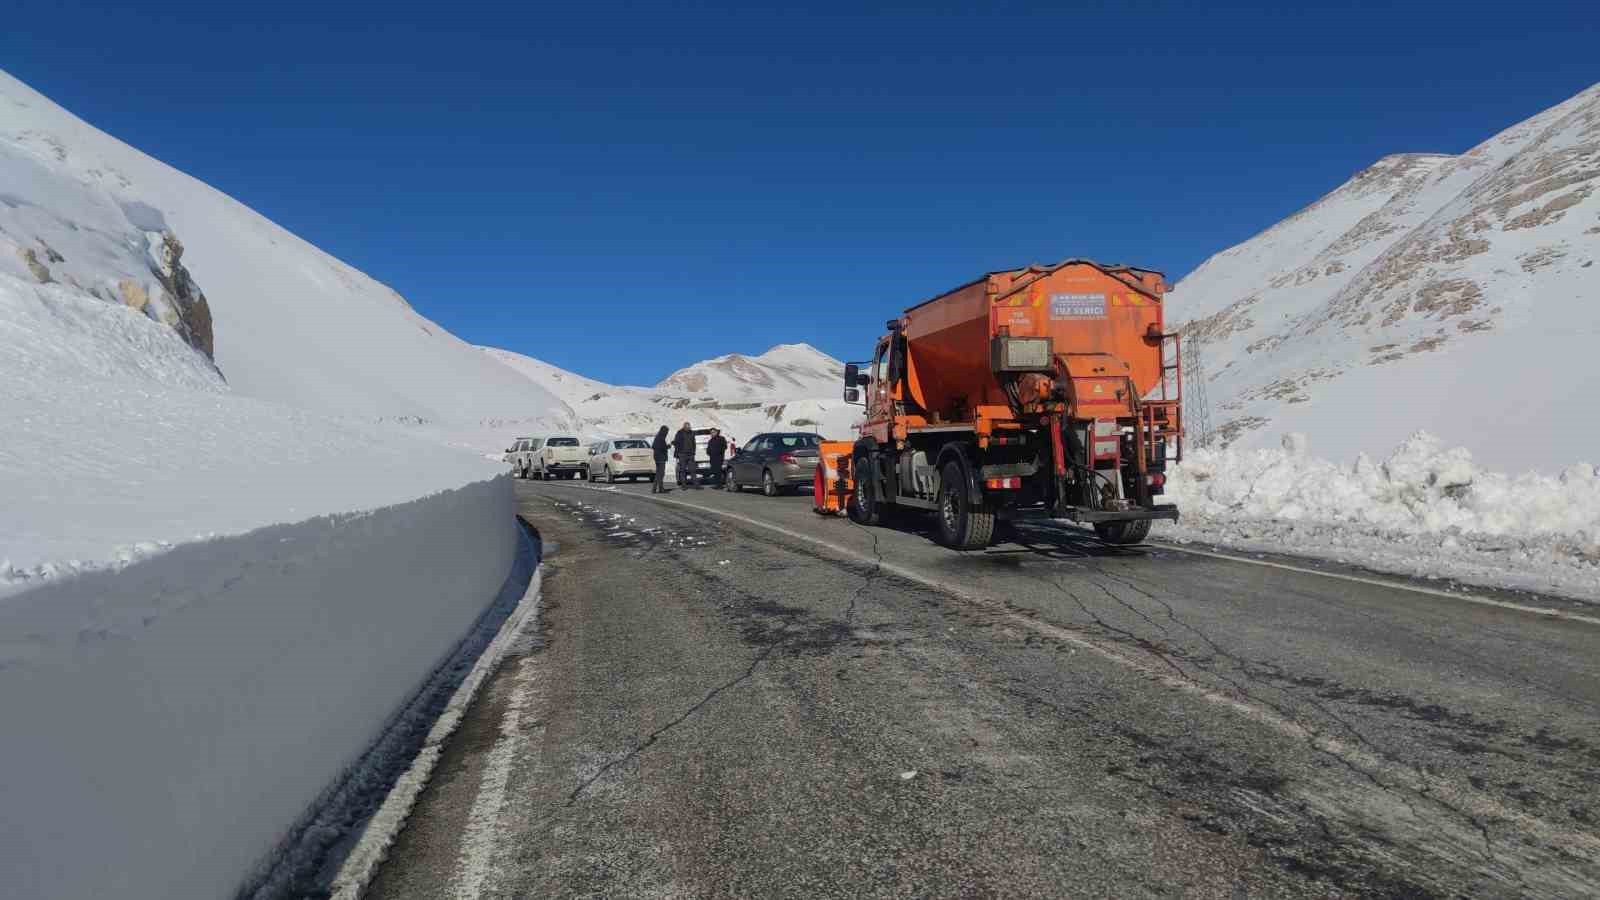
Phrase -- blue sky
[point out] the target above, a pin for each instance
(624, 189)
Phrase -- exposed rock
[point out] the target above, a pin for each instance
(1550, 212)
(31, 260)
(1538, 259)
(1232, 430)
(192, 314)
(1451, 297)
(133, 294)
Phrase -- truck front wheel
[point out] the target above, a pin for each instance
(1127, 531)
(863, 505)
(963, 525)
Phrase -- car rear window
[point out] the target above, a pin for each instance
(562, 442)
(631, 445)
(798, 441)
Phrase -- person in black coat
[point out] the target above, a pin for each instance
(717, 450)
(659, 447)
(683, 448)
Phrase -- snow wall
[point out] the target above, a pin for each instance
(167, 724)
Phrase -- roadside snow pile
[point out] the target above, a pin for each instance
(211, 602)
(121, 441)
(210, 605)
(1425, 510)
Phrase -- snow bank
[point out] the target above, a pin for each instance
(1425, 510)
(121, 440)
(170, 721)
(209, 604)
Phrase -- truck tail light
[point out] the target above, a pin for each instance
(1156, 479)
(617, 457)
(1003, 484)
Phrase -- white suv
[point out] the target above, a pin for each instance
(520, 455)
(561, 456)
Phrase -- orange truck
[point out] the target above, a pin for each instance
(1048, 393)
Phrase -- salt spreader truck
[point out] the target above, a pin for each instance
(1048, 392)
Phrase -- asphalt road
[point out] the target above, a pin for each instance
(714, 707)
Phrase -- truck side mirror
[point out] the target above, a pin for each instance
(851, 372)
(852, 395)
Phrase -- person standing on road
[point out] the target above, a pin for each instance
(683, 449)
(659, 448)
(716, 450)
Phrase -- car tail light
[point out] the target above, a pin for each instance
(1003, 484)
(617, 457)
(786, 458)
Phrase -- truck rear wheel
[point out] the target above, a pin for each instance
(1127, 531)
(962, 524)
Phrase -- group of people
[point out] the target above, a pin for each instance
(684, 449)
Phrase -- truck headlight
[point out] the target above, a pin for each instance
(1020, 354)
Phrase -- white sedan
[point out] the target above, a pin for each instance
(628, 458)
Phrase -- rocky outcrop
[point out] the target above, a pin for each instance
(190, 313)
(40, 271)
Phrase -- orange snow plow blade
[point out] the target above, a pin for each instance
(830, 489)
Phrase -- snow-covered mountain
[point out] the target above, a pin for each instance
(289, 323)
(790, 387)
(786, 372)
(1452, 294)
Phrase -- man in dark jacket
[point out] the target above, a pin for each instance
(717, 450)
(683, 448)
(659, 449)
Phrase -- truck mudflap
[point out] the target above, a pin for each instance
(1091, 516)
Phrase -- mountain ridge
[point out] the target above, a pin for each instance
(1382, 307)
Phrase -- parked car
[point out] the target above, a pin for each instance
(520, 455)
(562, 456)
(778, 461)
(628, 458)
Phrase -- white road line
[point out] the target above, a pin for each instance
(361, 866)
(478, 842)
(1360, 579)
(1394, 585)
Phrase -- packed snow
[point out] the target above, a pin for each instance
(1426, 510)
(1452, 294)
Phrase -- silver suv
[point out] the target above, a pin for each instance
(520, 455)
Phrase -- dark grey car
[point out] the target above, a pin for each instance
(776, 460)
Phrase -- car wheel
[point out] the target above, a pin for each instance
(611, 477)
(769, 486)
(730, 484)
